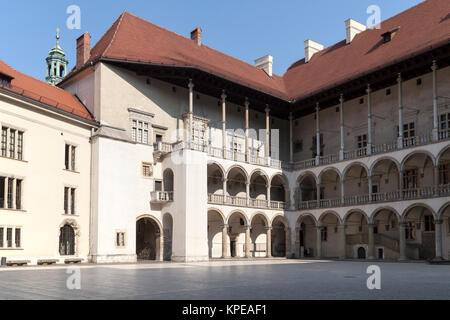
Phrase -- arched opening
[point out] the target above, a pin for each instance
(446, 232)
(215, 179)
(237, 225)
(330, 188)
(237, 183)
(385, 180)
(386, 235)
(215, 234)
(279, 240)
(279, 189)
(67, 241)
(258, 190)
(308, 190)
(168, 180)
(331, 234)
(420, 233)
(418, 175)
(444, 168)
(168, 236)
(357, 234)
(258, 236)
(62, 71)
(307, 237)
(356, 185)
(148, 240)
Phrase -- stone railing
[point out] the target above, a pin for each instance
(244, 202)
(416, 141)
(353, 154)
(329, 159)
(383, 148)
(161, 196)
(444, 135)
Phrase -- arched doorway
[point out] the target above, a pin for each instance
(307, 237)
(279, 240)
(420, 232)
(216, 225)
(148, 239)
(331, 235)
(259, 227)
(362, 253)
(356, 185)
(357, 234)
(67, 241)
(237, 226)
(386, 234)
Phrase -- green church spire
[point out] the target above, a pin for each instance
(56, 63)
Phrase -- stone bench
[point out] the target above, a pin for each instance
(46, 262)
(18, 263)
(73, 261)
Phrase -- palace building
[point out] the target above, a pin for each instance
(187, 154)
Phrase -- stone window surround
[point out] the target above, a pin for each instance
(17, 129)
(14, 228)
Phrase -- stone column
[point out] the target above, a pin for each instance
(269, 242)
(225, 241)
(224, 124)
(343, 191)
(371, 242)
(435, 132)
(319, 242)
(247, 242)
(268, 194)
(298, 249)
(291, 137)
(341, 113)
(370, 179)
(318, 193)
(247, 188)
(400, 111)
(191, 111)
(287, 232)
(161, 247)
(438, 233)
(268, 131)
(343, 254)
(225, 181)
(318, 142)
(247, 155)
(369, 120)
(402, 227)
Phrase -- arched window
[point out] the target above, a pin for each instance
(67, 241)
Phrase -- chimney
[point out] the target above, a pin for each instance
(265, 63)
(352, 28)
(196, 35)
(83, 49)
(311, 48)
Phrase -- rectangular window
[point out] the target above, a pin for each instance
(409, 130)
(18, 194)
(444, 172)
(2, 192)
(429, 224)
(17, 238)
(9, 242)
(67, 157)
(10, 193)
(361, 141)
(4, 140)
(159, 138)
(12, 144)
(444, 122)
(139, 131)
(158, 185)
(72, 201)
(66, 200)
(2, 230)
(20, 145)
(324, 234)
(72, 158)
(120, 239)
(314, 145)
(147, 170)
(410, 179)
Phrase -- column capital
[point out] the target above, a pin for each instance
(246, 103)
(267, 109)
(190, 84)
(223, 96)
(268, 228)
(225, 226)
(341, 98)
(434, 66)
(248, 227)
(368, 90)
(399, 77)
(317, 106)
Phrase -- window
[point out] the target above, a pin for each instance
(12, 144)
(159, 138)
(429, 224)
(4, 140)
(409, 130)
(444, 173)
(72, 201)
(324, 234)
(20, 146)
(139, 131)
(444, 122)
(9, 242)
(66, 200)
(410, 179)
(2, 192)
(120, 239)
(18, 194)
(69, 200)
(2, 230)
(409, 231)
(147, 170)
(314, 145)
(17, 237)
(361, 141)
(70, 157)
(9, 145)
(158, 185)
(10, 193)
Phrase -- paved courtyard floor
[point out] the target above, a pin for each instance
(230, 280)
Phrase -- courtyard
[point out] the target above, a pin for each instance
(275, 279)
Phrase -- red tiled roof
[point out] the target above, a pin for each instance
(131, 38)
(42, 92)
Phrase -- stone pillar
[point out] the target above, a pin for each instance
(400, 111)
(298, 252)
(343, 254)
(291, 137)
(267, 131)
(371, 250)
(247, 242)
(247, 146)
(435, 132)
(319, 242)
(341, 113)
(343, 191)
(268, 194)
(287, 232)
(225, 181)
(438, 233)
(247, 190)
(191, 111)
(269, 242)
(370, 179)
(225, 241)
(318, 192)
(369, 120)
(318, 142)
(403, 241)
(224, 124)
(161, 247)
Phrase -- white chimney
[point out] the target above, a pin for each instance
(352, 28)
(311, 48)
(265, 63)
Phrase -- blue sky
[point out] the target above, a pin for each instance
(245, 29)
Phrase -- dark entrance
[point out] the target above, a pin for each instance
(147, 238)
(233, 248)
(67, 241)
(361, 253)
